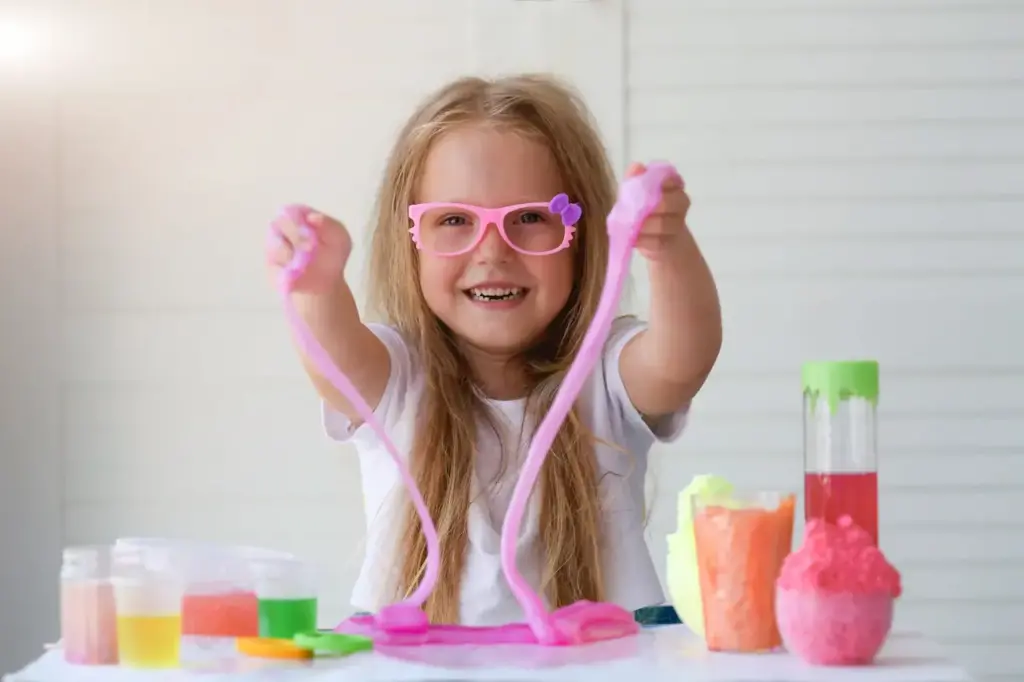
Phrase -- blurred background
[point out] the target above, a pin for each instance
(851, 164)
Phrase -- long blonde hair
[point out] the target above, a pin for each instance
(443, 453)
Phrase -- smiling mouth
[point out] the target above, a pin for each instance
(495, 294)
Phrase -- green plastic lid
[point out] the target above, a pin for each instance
(837, 381)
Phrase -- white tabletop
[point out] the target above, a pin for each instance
(666, 654)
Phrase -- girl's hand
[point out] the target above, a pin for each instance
(324, 301)
(326, 235)
(665, 229)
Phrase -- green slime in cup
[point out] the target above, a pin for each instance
(284, 618)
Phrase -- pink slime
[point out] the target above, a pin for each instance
(405, 623)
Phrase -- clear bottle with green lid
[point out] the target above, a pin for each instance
(841, 442)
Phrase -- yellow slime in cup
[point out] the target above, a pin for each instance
(683, 579)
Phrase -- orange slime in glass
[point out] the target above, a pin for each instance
(739, 557)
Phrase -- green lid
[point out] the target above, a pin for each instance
(836, 381)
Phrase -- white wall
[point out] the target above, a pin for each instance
(30, 359)
(850, 202)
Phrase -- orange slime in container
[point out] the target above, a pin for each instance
(741, 544)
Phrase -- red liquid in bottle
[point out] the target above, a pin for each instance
(830, 496)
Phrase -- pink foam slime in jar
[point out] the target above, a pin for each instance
(835, 595)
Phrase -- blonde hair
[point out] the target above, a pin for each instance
(443, 453)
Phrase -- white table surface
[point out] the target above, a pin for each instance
(665, 654)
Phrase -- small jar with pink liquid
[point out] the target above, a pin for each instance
(840, 442)
(88, 621)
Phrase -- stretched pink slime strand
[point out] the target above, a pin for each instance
(638, 196)
(321, 359)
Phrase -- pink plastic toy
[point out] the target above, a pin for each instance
(405, 623)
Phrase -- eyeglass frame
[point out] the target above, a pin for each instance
(560, 205)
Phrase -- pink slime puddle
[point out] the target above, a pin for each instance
(511, 655)
(405, 623)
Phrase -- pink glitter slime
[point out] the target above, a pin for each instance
(835, 595)
(405, 623)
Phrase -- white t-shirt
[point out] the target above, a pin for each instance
(486, 599)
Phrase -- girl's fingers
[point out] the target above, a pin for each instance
(296, 234)
(280, 255)
(318, 221)
(674, 181)
(672, 208)
(279, 249)
(675, 201)
(635, 169)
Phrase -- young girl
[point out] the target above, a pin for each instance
(487, 294)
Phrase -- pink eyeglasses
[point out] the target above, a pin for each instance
(535, 229)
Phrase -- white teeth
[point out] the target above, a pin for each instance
(494, 294)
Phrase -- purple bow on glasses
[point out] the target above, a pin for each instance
(570, 212)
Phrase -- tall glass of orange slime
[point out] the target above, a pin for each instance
(741, 540)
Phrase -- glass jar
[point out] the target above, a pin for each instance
(840, 442)
(88, 627)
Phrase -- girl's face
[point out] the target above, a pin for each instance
(493, 297)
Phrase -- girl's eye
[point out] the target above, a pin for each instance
(531, 217)
(453, 220)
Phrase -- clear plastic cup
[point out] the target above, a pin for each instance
(741, 542)
(148, 591)
(286, 592)
(88, 629)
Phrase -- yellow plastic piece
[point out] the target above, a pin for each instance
(683, 580)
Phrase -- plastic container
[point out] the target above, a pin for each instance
(88, 624)
(681, 570)
(840, 442)
(148, 591)
(742, 540)
(220, 598)
(286, 591)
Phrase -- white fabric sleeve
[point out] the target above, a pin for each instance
(338, 426)
(664, 429)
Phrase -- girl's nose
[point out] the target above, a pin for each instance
(493, 247)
